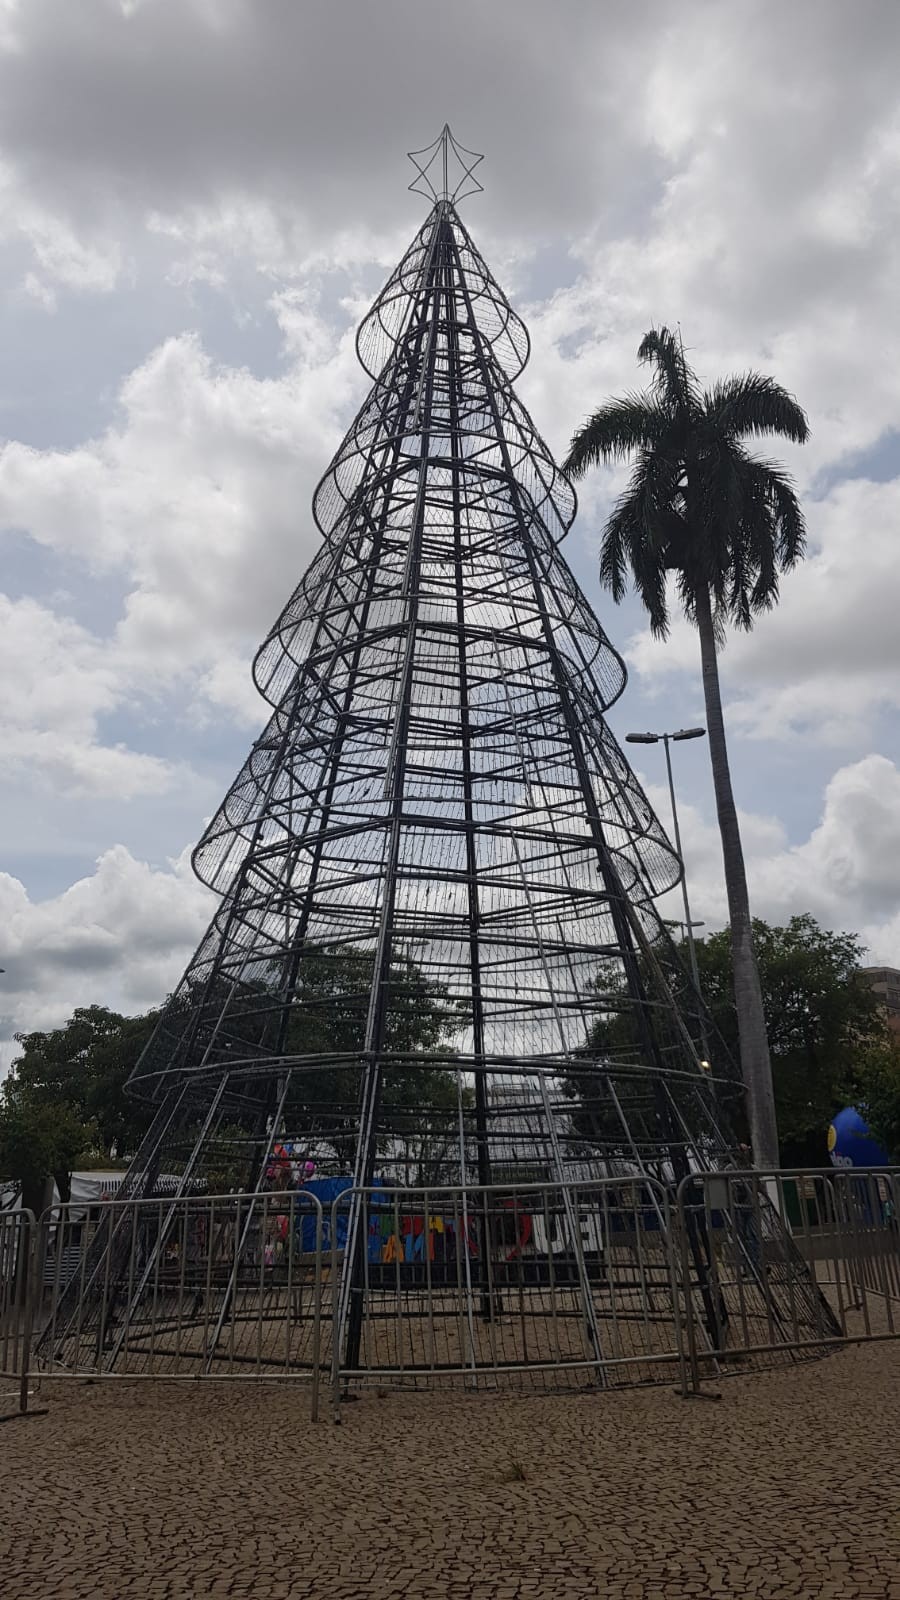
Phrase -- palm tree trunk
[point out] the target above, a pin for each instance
(754, 1045)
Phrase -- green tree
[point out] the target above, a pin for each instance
(878, 1096)
(617, 1037)
(38, 1142)
(419, 1101)
(699, 507)
(66, 1102)
(825, 1029)
(84, 1066)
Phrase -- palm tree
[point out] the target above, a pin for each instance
(724, 523)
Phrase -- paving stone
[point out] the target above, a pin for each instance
(785, 1490)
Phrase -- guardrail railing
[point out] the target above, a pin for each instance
(217, 1287)
(17, 1295)
(472, 1284)
(797, 1260)
(599, 1283)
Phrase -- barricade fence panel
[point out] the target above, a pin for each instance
(763, 1290)
(196, 1286)
(616, 1281)
(543, 1283)
(17, 1268)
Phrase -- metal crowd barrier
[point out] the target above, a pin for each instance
(196, 1287)
(552, 1283)
(796, 1261)
(17, 1232)
(547, 1284)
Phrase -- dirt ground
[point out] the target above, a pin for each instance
(786, 1487)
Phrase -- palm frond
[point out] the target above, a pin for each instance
(765, 591)
(722, 491)
(614, 432)
(674, 381)
(617, 539)
(740, 580)
(755, 404)
(650, 583)
(638, 533)
(791, 539)
(773, 488)
(758, 533)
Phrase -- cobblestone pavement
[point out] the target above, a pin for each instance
(788, 1487)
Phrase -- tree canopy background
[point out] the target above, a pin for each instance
(829, 1041)
(65, 1105)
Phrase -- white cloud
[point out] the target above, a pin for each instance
(826, 660)
(120, 937)
(40, 292)
(57, 682)
(85, 261)
(849, 868)
(200, 498)
(771, 231)
(846, 872)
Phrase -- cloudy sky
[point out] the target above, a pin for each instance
(200, 197)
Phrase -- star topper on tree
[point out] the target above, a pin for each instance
(442, 162)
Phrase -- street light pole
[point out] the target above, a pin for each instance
(695, 971)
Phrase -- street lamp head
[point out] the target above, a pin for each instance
(655, 738)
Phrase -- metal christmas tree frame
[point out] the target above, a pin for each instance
(437, 958)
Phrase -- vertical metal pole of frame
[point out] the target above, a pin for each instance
(879, 1242)
(210, 1241)
(351, 1295)
(317, 1310)
(466, 1263)
(482, 1146)
(399, 1329)
(843, 1260)
(826, 1270)
(335, 1323)
(891, 1179)
(690, 1380)
(430, 1356)
(775, 1179)
(715, 1273)
(107, 1298)
(33, 1284)
(293, 1293)
(182, 1290)
(10, 1246)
